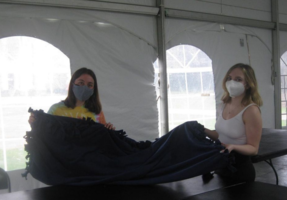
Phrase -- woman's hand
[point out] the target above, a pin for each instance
(212, 134)
(229, 147)
(31, 119)
(109, 126)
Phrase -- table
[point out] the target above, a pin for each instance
(168, 191)
(246, 191)
(273, 144)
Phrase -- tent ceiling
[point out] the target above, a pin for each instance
(172, 10)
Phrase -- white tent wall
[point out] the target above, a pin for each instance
(261, 59)
(283, 43)
(282, 5)
(121, 61)
(122, 53)
(141, 26)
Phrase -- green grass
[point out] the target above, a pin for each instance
(208, 123)
(283, 122)
(15, 159)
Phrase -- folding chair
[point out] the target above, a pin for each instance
(4, 180)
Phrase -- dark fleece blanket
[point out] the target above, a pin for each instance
(71, 151)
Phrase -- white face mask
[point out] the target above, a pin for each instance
(234, 88)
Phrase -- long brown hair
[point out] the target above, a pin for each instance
(251, 93)
(93, 104)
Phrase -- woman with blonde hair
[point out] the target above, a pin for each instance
(239, 125)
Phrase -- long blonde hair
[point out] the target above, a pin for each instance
(251, 93)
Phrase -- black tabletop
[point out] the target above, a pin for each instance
(272, 144)
(246, 191)
(168, 191)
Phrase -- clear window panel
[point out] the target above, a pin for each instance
(202, 60)
(208, 123)
(191, 86)
(282, 81)
(285, 81)
(175, 57)
(283, 71)
(283, 96)
(283, 108)
(195, 103)
(194, 82)
(172, 63)
(15, 119)
(36, 75)
(60, 83)
(177, 83)
(2, 163)
(209, 102)
(207, 82)
(1, 124)
(283, 64)
(195, 58)
(179, 117)
(179, 103)
(284, 119)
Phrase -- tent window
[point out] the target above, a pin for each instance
(190, 86)
(33, 73)
(283, 66)
(177, 83)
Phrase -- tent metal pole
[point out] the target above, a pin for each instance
(216, 18)
(89, 5)
(276, 77)
(198, 16)
(162, 68)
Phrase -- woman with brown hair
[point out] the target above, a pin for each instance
(83, 99)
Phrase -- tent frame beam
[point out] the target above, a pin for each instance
(89, 5)
(276, 75)
(198, 16)
(164, 128)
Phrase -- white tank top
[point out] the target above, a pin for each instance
(231, 131)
